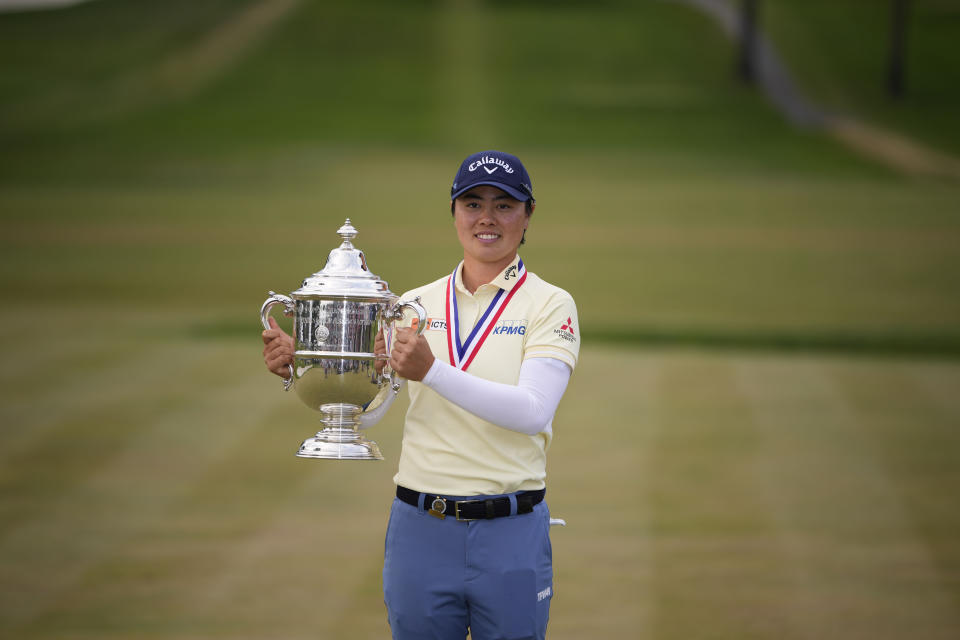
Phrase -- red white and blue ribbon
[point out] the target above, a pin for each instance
(462, 353)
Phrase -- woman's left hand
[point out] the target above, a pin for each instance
(411, 356)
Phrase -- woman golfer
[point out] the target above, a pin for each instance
(468, 542)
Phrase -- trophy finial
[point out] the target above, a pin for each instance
(347, 232)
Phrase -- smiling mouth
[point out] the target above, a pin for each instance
(486, 236)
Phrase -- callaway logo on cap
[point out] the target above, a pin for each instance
(494, 168)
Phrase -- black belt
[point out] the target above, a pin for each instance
(466, 510)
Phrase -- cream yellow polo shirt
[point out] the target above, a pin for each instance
(447, 450)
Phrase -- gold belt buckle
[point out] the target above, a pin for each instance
(456, 510)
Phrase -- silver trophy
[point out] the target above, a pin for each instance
(336, 316)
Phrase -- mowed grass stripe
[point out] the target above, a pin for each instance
(82, 349)
(731, 494)
(53, 441)
(102, 506)
(791, 261)
(754, 483)
(917, 446)
(299, 538)
(709, 527)
(133, 378)
(852, 555)
(599, 478)
(937, 384)
(254, 545)
(914, 425)
(238, 555)
(786, 415)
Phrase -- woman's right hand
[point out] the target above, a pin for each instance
(278, 349)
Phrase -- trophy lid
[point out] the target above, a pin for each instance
(345, 274)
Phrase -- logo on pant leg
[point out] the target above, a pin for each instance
(543, 595)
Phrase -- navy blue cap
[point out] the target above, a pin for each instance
(497, 169)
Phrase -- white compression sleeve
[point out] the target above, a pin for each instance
(526, 407)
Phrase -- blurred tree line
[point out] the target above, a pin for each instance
(747, 62)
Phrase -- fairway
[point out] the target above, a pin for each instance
(751, 495)
(148, 485)
(698, 253)
(762, 436)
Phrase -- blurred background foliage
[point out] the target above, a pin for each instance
(162, 165)
(840, 50)
(286, 114)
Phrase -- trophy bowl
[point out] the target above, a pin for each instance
(337, 314)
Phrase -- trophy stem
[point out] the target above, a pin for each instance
(339, 439)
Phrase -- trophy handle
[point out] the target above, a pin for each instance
(289, 308)
(394, 314)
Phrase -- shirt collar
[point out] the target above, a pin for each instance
(507, 279)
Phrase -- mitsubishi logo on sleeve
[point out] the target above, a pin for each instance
(565, 332)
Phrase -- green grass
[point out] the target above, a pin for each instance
(646, 250)
(720, 223)
(378, 73)
(148, 486)
(726, 495)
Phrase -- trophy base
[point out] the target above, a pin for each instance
(325, 446)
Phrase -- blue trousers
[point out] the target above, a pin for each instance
(441, 577)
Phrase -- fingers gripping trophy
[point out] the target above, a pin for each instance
(338, 313)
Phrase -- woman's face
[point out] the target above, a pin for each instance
(490, 224)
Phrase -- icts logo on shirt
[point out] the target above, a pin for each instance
(436, 324)
(510, 328)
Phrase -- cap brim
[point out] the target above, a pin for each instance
(513, 193)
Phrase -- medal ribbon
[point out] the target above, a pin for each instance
(462, 354)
